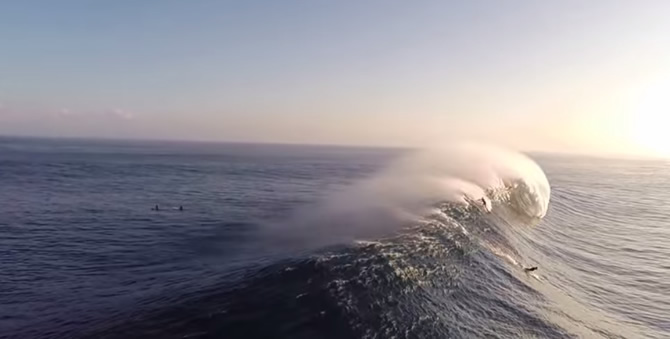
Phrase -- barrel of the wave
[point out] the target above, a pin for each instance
(509, 177)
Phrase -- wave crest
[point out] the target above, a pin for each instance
(464, 173)
(411, 187)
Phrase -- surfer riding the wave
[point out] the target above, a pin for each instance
(486, 204)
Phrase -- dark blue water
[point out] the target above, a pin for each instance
(80, 243)
(82, 253)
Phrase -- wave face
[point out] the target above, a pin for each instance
(444, 276)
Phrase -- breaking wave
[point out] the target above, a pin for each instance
(412, 187)
(408, 253)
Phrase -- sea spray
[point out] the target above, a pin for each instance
(411, 186)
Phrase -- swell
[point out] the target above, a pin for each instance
(436, 278)
(436, 262)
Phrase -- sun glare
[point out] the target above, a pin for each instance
(650, 120)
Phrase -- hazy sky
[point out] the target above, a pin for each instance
(549, 75)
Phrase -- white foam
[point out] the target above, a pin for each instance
(410, 187)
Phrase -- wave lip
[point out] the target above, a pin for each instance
(462, 173)
(411, 187)
(497, 169)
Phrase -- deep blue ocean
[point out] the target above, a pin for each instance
(279, 241)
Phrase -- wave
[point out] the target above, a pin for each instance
(441, 277)
(464, 174)
(424, 263)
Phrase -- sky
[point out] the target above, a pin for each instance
(535, 75)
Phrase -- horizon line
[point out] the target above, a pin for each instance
(602, 155)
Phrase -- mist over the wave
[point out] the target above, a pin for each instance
(409, 188)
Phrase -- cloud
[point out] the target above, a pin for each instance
(118, 113)
(64, 113)
(114, 114)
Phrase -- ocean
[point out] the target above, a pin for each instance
(281, 241)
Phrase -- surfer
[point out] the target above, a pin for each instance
(530, 269)
(181, 208)
(155, 208)
(485, 205)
